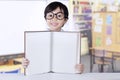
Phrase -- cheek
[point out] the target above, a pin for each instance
(48, 22)
(62, 22)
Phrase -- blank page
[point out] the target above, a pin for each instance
(65, 51)
(37, 52)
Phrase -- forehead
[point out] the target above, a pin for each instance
(57, 10)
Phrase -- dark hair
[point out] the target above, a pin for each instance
(54, 5)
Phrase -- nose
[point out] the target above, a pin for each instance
(55, 17)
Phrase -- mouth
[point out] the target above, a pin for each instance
(54, 24)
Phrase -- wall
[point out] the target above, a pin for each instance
(15, 18)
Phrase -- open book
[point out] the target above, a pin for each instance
(52, 51)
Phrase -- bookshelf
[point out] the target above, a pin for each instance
(81, 13)
(82, 21)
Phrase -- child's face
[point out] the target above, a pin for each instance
(56, 19)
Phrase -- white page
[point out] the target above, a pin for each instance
(38, 52)
(65, 51)
(52, 51)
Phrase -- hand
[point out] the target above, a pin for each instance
(25, 62)
(79, 68)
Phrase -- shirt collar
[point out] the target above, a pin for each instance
(49, 29)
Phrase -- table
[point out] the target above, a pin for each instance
(60, 76)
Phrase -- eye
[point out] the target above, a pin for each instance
(49, 15)
(60, 15)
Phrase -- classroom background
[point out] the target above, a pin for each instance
(97, 20)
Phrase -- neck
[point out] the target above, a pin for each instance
(57, 30)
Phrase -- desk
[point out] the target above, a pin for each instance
(58, 76)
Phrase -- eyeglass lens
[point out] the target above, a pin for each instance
(51, 15)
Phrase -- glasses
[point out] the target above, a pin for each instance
(51, 15)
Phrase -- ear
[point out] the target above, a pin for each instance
(65, 21)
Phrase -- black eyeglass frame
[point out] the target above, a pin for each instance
(55, 14)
